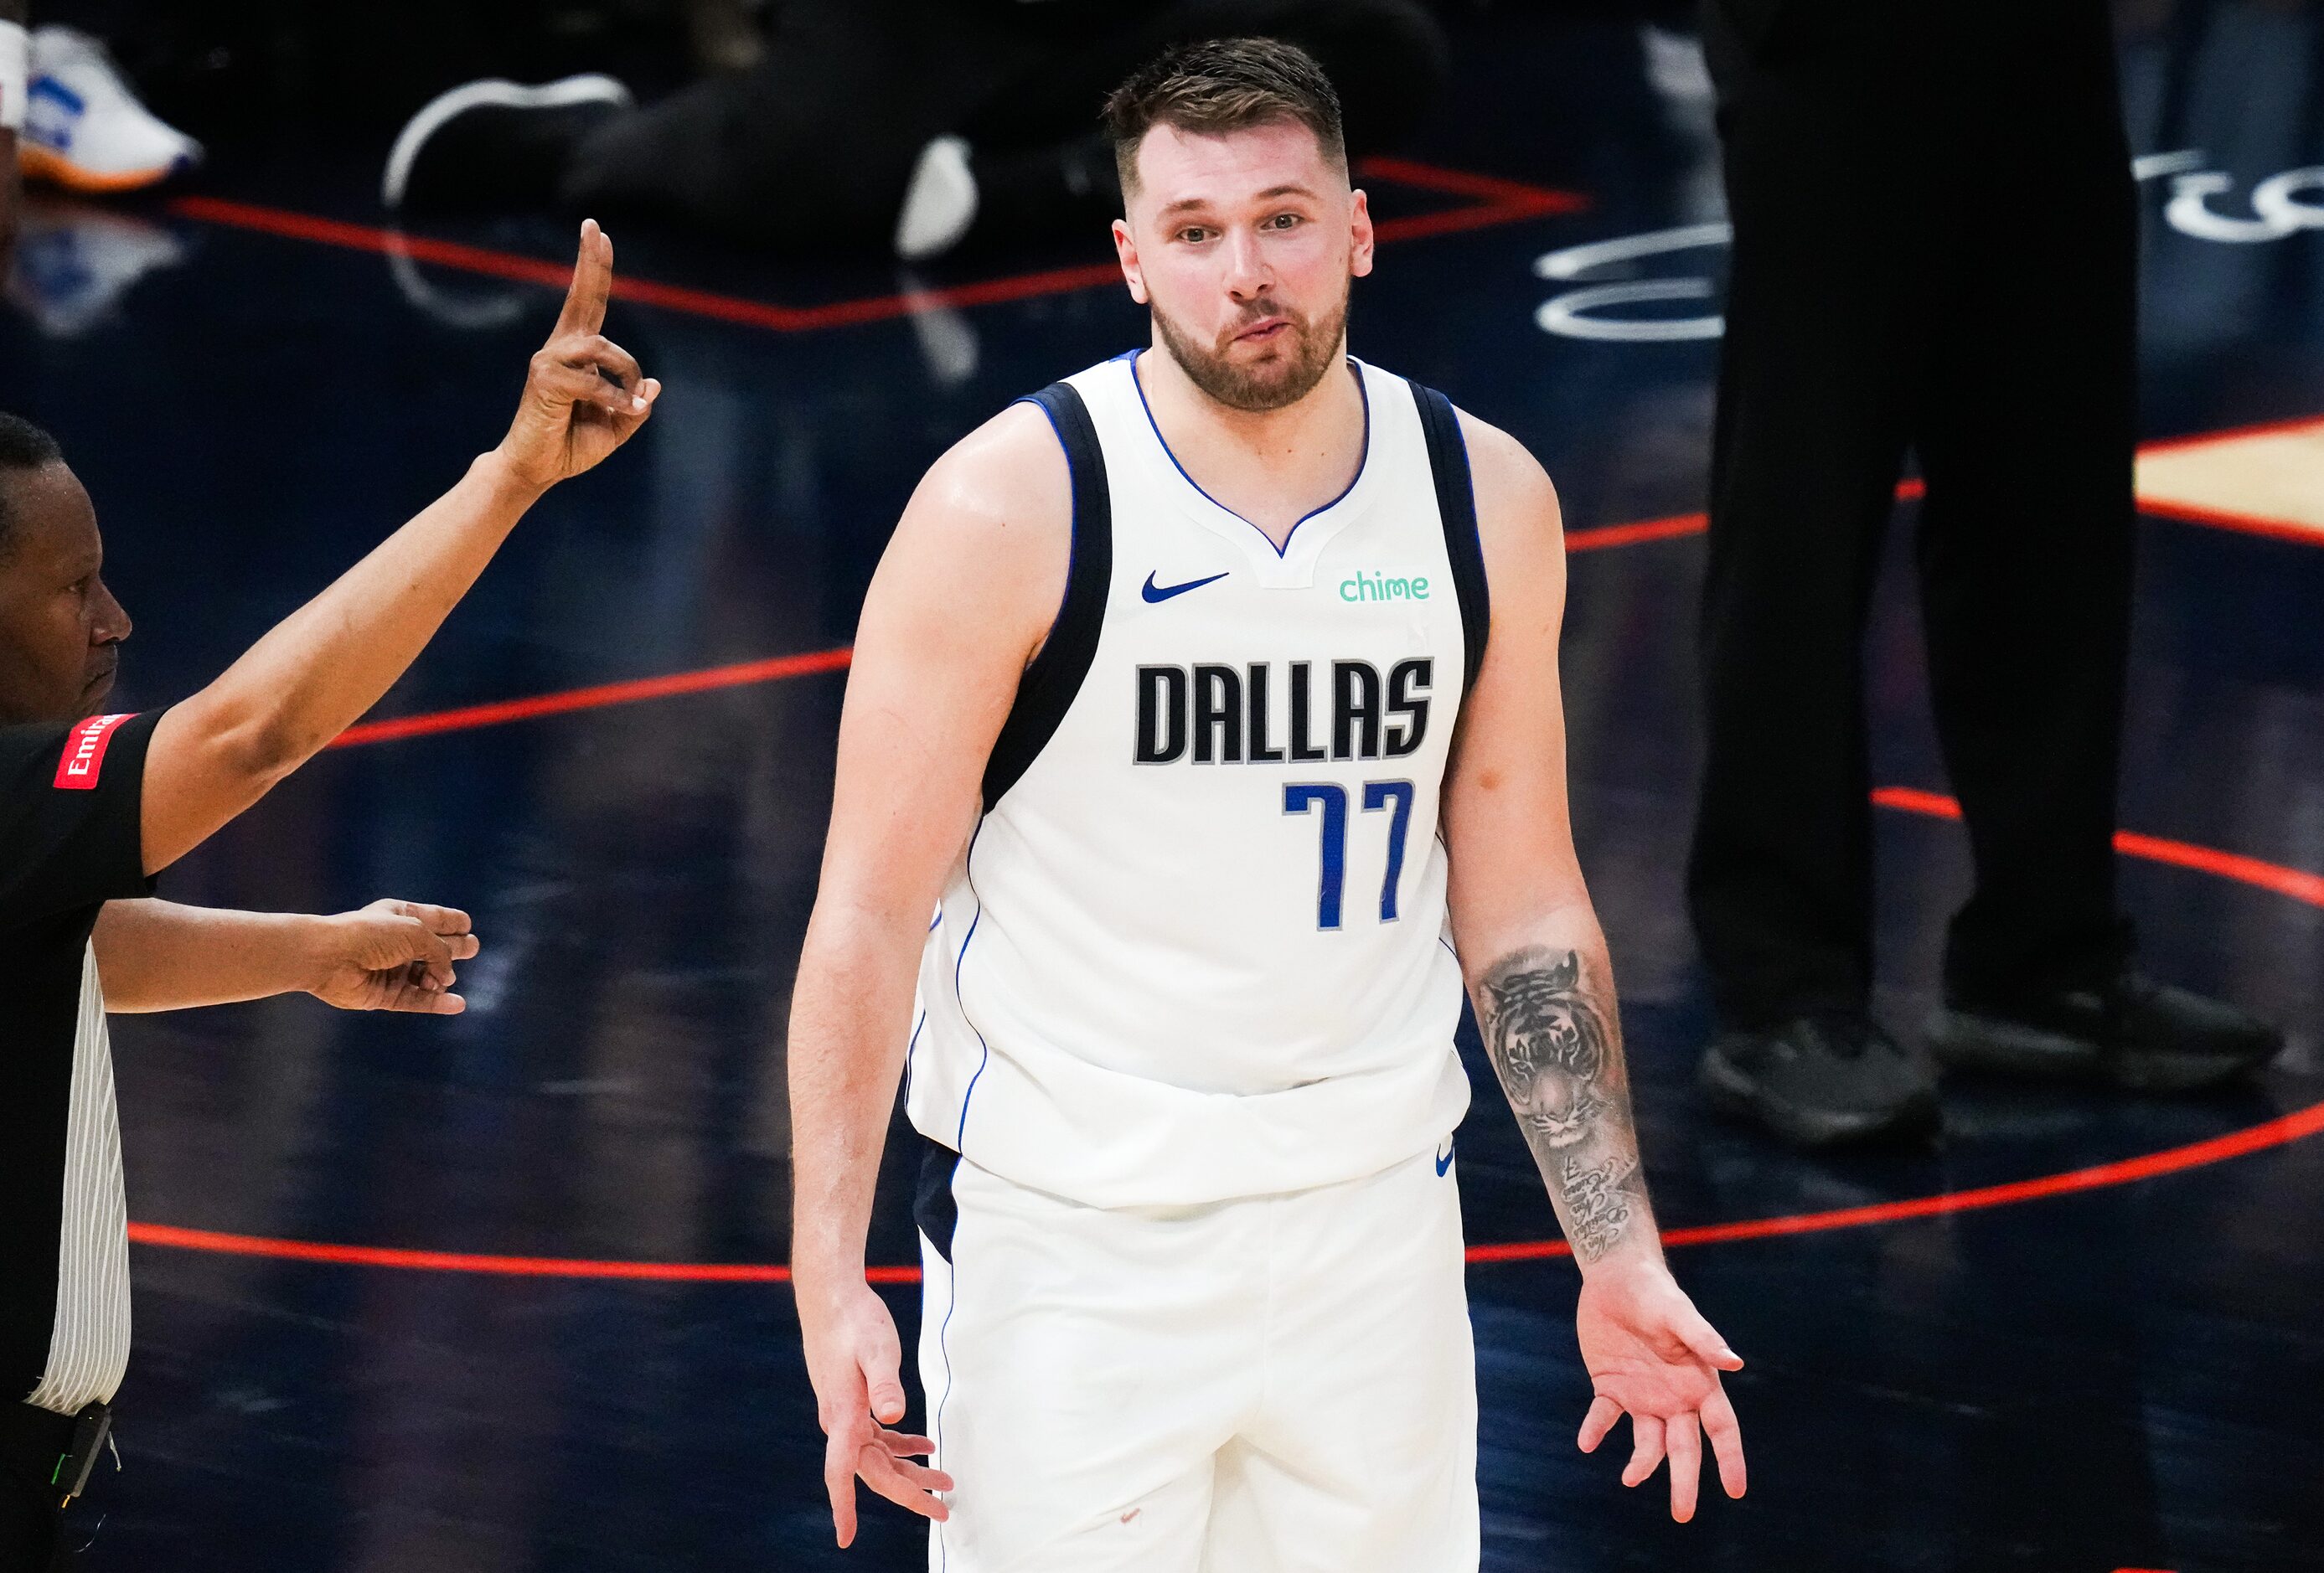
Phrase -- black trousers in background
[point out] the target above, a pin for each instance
(813, 150)
(1935, 246)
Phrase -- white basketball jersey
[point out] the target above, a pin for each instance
(1196, 948)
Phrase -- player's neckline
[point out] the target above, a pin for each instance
(1280, 554)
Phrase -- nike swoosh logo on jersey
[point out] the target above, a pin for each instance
(1444, 1159)
(1154, 593)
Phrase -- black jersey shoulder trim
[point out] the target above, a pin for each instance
(1047, 688)
(1456, 506)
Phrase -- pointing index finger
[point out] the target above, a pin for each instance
(592, 284)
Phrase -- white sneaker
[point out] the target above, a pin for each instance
(940, 203)
(83, 127)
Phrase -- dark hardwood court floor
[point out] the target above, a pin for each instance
(2086, 1333)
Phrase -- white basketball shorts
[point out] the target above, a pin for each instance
(1277, 1384)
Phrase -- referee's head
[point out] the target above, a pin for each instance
(60, 629)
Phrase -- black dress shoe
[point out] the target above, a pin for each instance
(2136, 1034)
(1820, 1081)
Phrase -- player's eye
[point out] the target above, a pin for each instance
(1193, 235)
(1283, 221)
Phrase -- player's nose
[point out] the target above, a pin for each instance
(1247, 273)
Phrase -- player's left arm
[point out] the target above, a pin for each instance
(1535, 963)
(392, 955)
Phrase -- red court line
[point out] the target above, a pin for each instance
(1497, 201)
(2273, 1132)
(1631, 534)
(2278, 1132)
(1678, 524)
(2229, 433)
(289, 226)
(217, 1243)
(1491, 189)
(507, 709)
(2296, 883)
(2244, 523)
(1912, 800)
(1684, 524)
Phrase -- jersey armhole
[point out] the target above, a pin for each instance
(1456, 508)
(1047, 689)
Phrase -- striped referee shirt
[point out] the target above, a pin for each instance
(69, 842)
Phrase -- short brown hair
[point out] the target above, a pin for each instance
(1222, 85)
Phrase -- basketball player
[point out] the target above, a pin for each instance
(1192, 696)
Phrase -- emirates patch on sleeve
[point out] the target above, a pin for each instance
(84, 756)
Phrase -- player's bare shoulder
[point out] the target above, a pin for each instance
(1004, 487)
(1518, 523)
(988, 531)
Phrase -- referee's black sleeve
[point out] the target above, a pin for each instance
(71, 806)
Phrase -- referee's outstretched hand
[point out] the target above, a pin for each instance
(584, 395)
(393, 955)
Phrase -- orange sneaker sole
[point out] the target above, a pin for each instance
(38, 163)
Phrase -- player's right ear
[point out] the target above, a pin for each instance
(1126, 248)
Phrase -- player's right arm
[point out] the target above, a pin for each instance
(963, 596)
(221, 750)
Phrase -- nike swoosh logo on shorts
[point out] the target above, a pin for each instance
(1444, 1159)
(1163, 593)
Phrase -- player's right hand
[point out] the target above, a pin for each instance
(1651, 1355)
(854, 1359)
(584, 395)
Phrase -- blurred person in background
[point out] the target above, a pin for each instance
(913, 125)
(1935, 251)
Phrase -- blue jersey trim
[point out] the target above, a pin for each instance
(1363, 461)
(1456, 508)
(935, 1422)
(1053, 679)
(960, 1136)
(908, 1049)
(1072, 513)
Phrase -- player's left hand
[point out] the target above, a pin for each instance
(1651, 1355)
(393, 955)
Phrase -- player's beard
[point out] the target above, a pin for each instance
(1309, 349)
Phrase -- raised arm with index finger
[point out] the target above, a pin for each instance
(320, 668)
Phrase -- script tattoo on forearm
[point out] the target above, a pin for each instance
(1553, 1042)
(1595, 1205)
